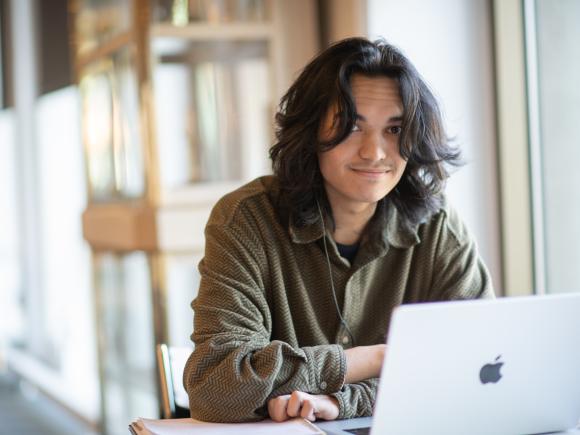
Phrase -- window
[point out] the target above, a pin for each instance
(538, 100)
(553, 64)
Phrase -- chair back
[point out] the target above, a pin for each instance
(170, 364)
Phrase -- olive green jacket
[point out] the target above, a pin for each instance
(265, 322)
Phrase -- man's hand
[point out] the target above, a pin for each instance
(299, 404)
(362, 362)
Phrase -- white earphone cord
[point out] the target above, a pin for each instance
(331, 280)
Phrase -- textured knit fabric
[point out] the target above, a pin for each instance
(266, 323)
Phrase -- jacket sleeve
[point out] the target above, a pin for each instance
(358, 399)
(235, 367)
(459, 271)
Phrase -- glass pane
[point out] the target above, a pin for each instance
(110, 108)
(181, 12)
(182, 283)
(126, 342)
(557, 34)
(97, 21)
(97, 109)
(202, 132)
(129, 163)
(12, 310)
(67, 303)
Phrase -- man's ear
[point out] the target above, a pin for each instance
(328, 124)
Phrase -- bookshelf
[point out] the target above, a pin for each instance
(177, 105)
(215, 32)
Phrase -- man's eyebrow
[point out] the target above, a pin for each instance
(391, 119)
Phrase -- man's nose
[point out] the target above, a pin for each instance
(373, 147)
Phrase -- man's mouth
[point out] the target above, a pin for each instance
(371, 170)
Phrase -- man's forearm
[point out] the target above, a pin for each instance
(364, 362)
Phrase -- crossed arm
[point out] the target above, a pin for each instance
(362, 363)
(239, 373)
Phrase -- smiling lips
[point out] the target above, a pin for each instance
(371, 172)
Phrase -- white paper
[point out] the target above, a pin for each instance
(184, 426)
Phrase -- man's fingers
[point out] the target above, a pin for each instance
(326, 407)
(295, 403)
(299, 404)
(308, 409)
(277, 408)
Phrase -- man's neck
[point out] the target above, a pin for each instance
(350, 222)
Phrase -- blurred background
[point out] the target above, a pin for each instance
(123, 121)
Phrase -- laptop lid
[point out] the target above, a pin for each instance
(504, 366)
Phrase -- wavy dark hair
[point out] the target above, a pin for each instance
(324, 84)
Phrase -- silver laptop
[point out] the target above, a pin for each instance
(505, 366)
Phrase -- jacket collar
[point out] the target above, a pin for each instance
(397, 233)
(387, 229)
(305, 233)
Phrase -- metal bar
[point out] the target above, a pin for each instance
(534, 126)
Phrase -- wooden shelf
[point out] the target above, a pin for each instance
(197, 194)
(105, 50)
(250, 31)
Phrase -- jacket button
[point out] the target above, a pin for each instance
(323, 385)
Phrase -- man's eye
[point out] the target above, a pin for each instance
(355, 128)
(396, 129)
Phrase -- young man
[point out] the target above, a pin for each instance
(303, 269)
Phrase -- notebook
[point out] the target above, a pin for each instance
(504, 366)
(189, 426)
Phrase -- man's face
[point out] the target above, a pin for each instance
(367, 165)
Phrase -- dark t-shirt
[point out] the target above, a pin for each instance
(347, 251)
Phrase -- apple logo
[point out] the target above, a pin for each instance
(490, 372)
